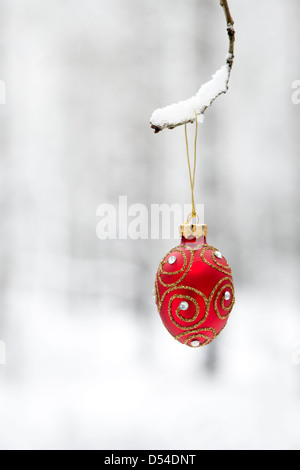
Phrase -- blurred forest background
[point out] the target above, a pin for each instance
(88, 362)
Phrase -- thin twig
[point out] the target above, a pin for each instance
(230, 31)
(158, 124)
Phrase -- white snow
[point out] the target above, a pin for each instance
(184, 111)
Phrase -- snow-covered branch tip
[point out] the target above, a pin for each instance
(183, 112)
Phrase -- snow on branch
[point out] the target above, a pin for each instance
(184, 111)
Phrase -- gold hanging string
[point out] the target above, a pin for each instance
(193, 214)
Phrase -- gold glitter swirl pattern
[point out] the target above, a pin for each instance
(218, 266)
(194, 301)
(157, 297)
(227, 309)
(181, 287)
(218, 263)
(186, 270)
(197, 334)
(218, 285)
(185, 297)
(166, 260)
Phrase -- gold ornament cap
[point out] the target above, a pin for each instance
(190, 230)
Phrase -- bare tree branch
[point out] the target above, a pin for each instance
(184, 111)
(230, 30)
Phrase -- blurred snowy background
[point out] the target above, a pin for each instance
(88, 362)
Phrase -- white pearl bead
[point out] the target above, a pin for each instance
(227, 295)
(184, 306)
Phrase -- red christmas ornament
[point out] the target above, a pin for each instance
(194, 291)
